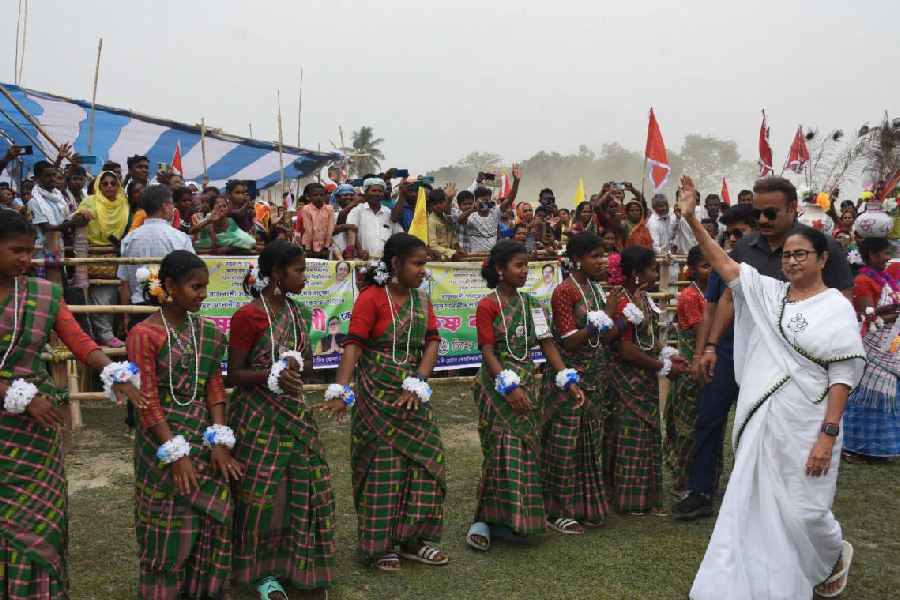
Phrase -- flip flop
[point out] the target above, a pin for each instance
(389, 557)
(269, 585)
(482, 530)
(427, 555)
(847, 558)
(565, 526)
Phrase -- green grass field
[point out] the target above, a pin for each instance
(631, 558)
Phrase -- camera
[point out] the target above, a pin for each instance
(487, 176)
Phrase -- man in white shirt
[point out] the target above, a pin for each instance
(49, 209)
(154, 238)
(372, 221)
(662, 226)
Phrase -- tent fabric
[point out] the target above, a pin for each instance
(120, 133)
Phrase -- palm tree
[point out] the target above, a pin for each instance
(365, 154)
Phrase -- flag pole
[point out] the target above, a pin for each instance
(16, 60)
(24, 39)
(300, 108)
(90, 143)
(203, 145)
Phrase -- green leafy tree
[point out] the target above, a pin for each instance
(366, 155)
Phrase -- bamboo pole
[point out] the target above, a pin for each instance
(90, 142)
(280, 143)
(300, 108)
(24, 41)
(62, 354)
(27, 115)
(74, 396)
(112, 309)
(203, 144)
(34, 143)
(16, 59)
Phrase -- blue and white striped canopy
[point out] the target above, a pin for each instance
(120, 133)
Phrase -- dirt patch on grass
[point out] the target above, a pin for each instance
(460, 436)
(98, 460)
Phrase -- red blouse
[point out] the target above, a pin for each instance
(145, 342)
(691, 305)
(565, 297)
(372, 316)
(72, 335)
(866, 287)
(486, 313)
(248, 324)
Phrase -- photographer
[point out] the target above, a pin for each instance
(480, 223)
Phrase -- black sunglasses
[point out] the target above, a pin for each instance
(770, 213)
(736, 234)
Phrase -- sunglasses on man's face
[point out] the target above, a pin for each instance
(736, 234)
(769, 213)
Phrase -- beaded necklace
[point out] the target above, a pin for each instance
(272, 327)
(649, 320)
(409, 328)
(169, 337)
(12, 338)
(524, 357)
(593, 341)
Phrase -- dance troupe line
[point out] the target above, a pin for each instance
(239, 491)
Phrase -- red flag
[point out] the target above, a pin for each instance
(799, 153)
(658, 168)
(765, 150)
(504, 188)
(176, 159)
(726, 197)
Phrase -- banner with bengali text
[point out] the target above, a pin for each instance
(454, 288)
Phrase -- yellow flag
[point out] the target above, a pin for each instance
(419, 225)
(579, 192)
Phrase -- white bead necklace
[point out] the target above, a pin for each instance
(524, 357)
(409, 329)
(637, 336)
(12, 338)
(272, 327)
(169, 339)
(593, 342)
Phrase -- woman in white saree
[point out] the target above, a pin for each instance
(798, 353)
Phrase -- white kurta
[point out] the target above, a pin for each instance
(775, 537)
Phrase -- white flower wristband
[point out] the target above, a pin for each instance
(419, 387)
(598, 322)
(219, 435)
(633, 314)
(278, 367)
(344, 392)
(119, 372)
(19, 395)
(506, 381)
(174, 449)
(665, 356)
(566, 378)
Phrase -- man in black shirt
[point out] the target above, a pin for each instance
(775, 211)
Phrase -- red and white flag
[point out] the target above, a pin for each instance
(658, 167)
(765, 150)
(799, 153)
(504, 188)
(726, 197)
(176, 159)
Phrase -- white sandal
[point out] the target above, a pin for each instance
(427, 555)
(565, 526)
(481, 530)
(847, 559)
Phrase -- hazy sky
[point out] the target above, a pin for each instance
(439, 79)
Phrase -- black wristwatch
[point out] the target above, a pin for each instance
(831, 429)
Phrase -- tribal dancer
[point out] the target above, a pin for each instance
(573, 438)
(284, 521)
(182, 451)
(33, 499)
(398, 460)
(511, 494)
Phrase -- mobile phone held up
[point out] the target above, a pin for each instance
(24, 150)
(487, 176)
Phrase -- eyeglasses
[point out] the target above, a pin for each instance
(770, 213)
(736, 234)
(797, 255)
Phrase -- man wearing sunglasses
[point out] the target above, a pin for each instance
(739, 222)
(774, 210)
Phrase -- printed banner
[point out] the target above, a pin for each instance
(455, 289)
